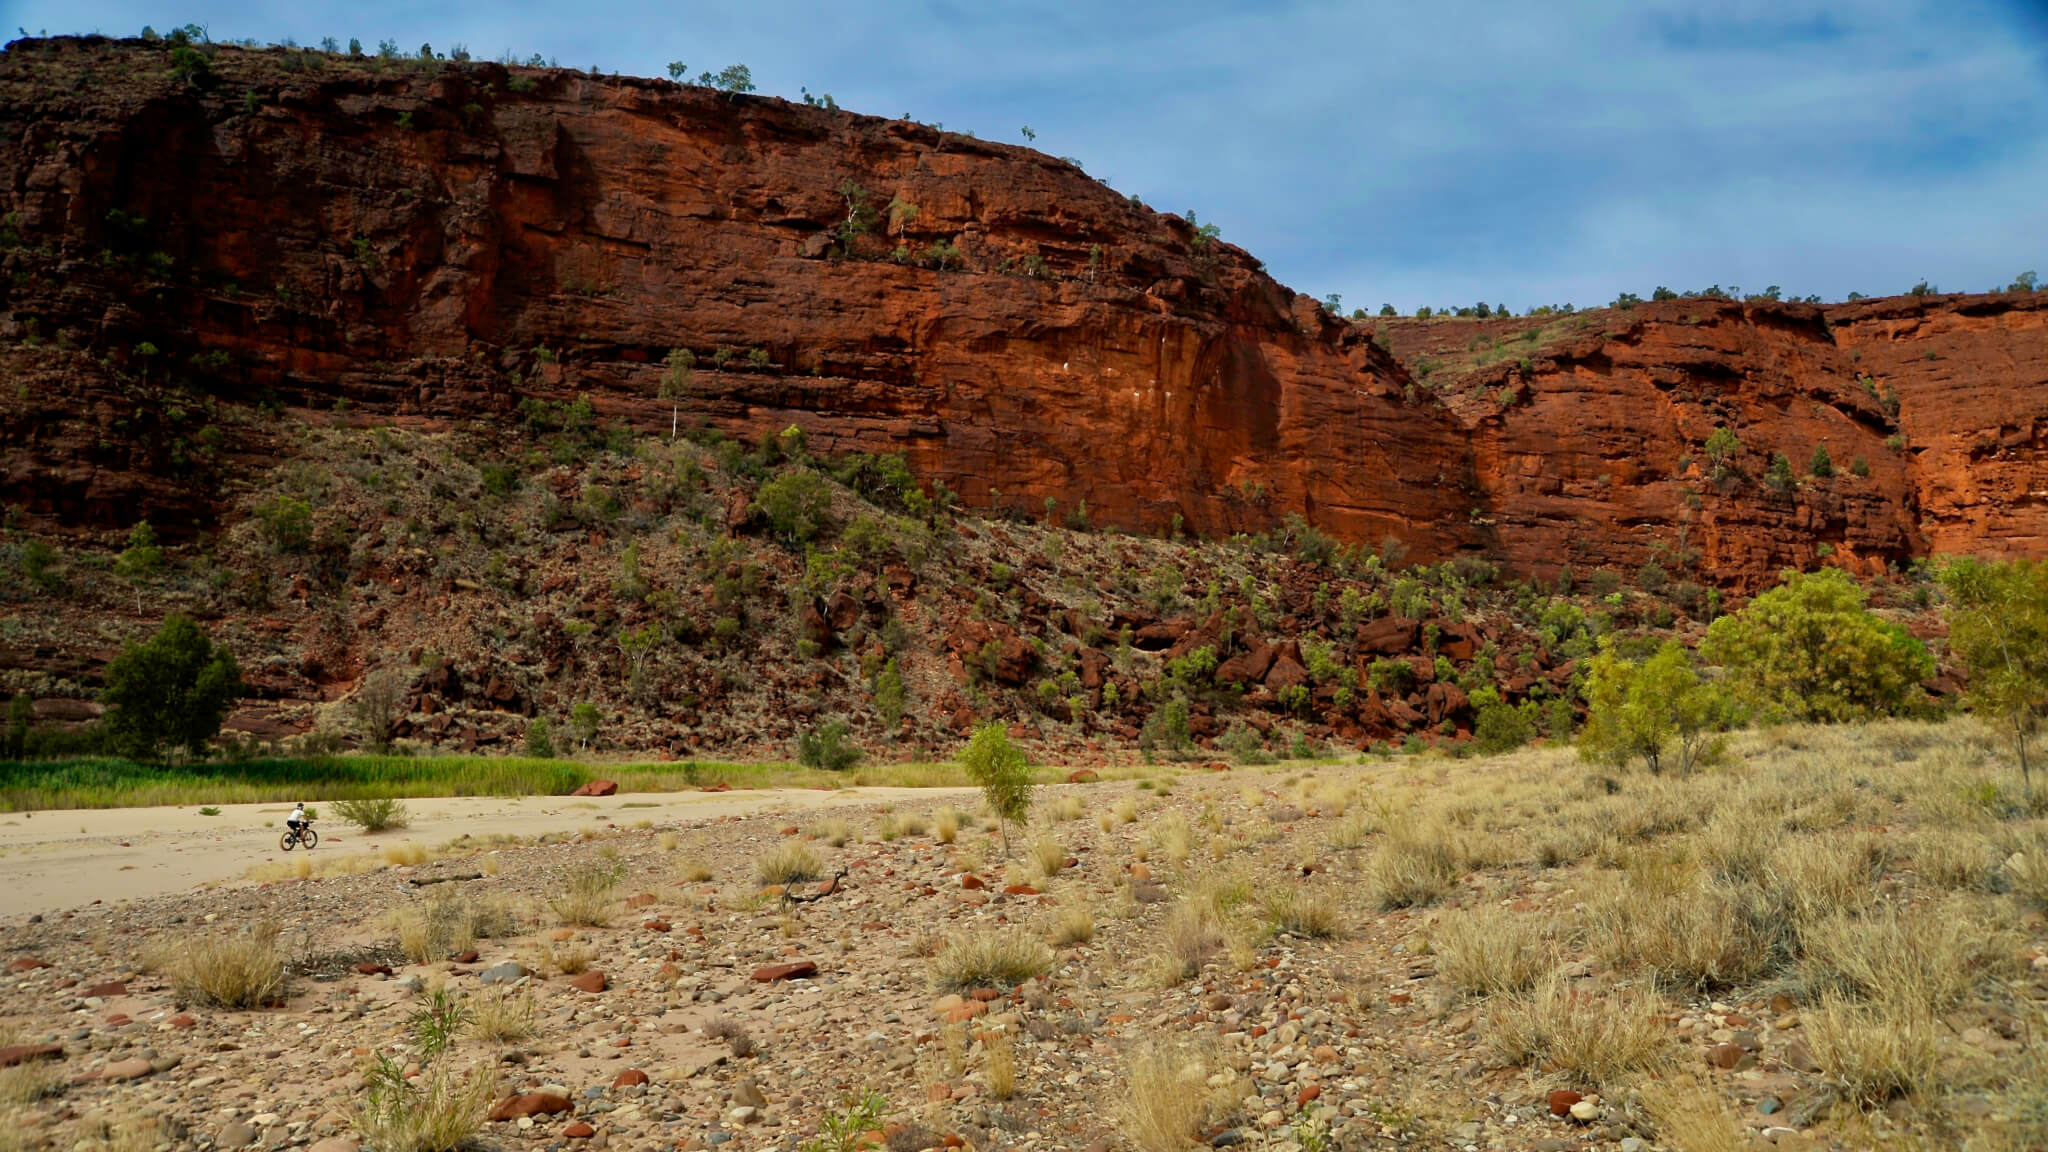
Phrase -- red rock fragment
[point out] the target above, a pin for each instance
(592, 982)
(630, 1078)
(794, 970)
(1561, 1101)
(529, 1104)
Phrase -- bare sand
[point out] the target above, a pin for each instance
(71, 858)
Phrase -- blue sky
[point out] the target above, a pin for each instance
(1413, 153)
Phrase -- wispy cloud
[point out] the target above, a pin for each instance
(1412, 153)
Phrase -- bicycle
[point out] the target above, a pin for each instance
(305, 836)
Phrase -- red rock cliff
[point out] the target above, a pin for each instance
(439, 242)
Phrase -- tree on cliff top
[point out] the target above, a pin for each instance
(169, 692)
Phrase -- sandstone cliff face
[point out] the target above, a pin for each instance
(410, 241)
(436, 244)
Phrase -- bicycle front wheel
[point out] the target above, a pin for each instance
(286, 841)
(309, 838)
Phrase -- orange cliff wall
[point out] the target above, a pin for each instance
(407, 240)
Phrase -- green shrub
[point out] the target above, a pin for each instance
(540, 739)
(798, 505)
(1998, 624)
(1809, 650)
(827, 748)
(375, 815)
(1640, 709)
(169, 692)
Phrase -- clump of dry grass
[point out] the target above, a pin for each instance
(503, 1017)
(790, 862)
(1694, 936)
(1305, 913)
(1168, 1101)
(833, 831)
(1692, 1116)
(1125, 811)
(946, 825)
(27, 1082)
(1000, 1054)
(439, 1111)
(1490, 951)
(668, 841)
(586, 900)
(1600, 1037)
(693, 871)
(1172, 838)
(1926, 960)
(1049, 855)
(448, 924)
(227, 970)
(1874, 1052)
(1074, 924)
(1419, 863)
(1066, 808)
(999, 959)
(406, 855)
(566, 958)
(1202, 925)
(1352, 831)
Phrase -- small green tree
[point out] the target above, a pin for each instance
(583, 721)
(169, 692)
(540, 739)
(1822, 465)
(140, 560)
(1809, 650)
(798, 505)
(21, 714)
(889, 694)
(1004, 775)
(1998, 624)
(676, 373)
(1640, 709)
(1779, 476)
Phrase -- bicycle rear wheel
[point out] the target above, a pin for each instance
(287, 841)
(309, 838)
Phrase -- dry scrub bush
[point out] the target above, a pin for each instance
(438, 1111)
(1000, 1052)
(503, 1017)
(1698, 937)
(790, 862)
(1001, 959)
(737, 1039)
(1049, 855)
(1874, 1053)
(1489, 951)
(946, 825)
(1296, 909)
(239, 970)
(585, 900)
(835, 832)
(1066, 808)
(1126, 811)
(1907, 961)
(1074, 924)
(448, 924)
(1693, 1116)
(1599, 1037)
(668, 841)
(1419, 862)
(693, 871)
(1167, 1101)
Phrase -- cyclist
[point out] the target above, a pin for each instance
(297, 820)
